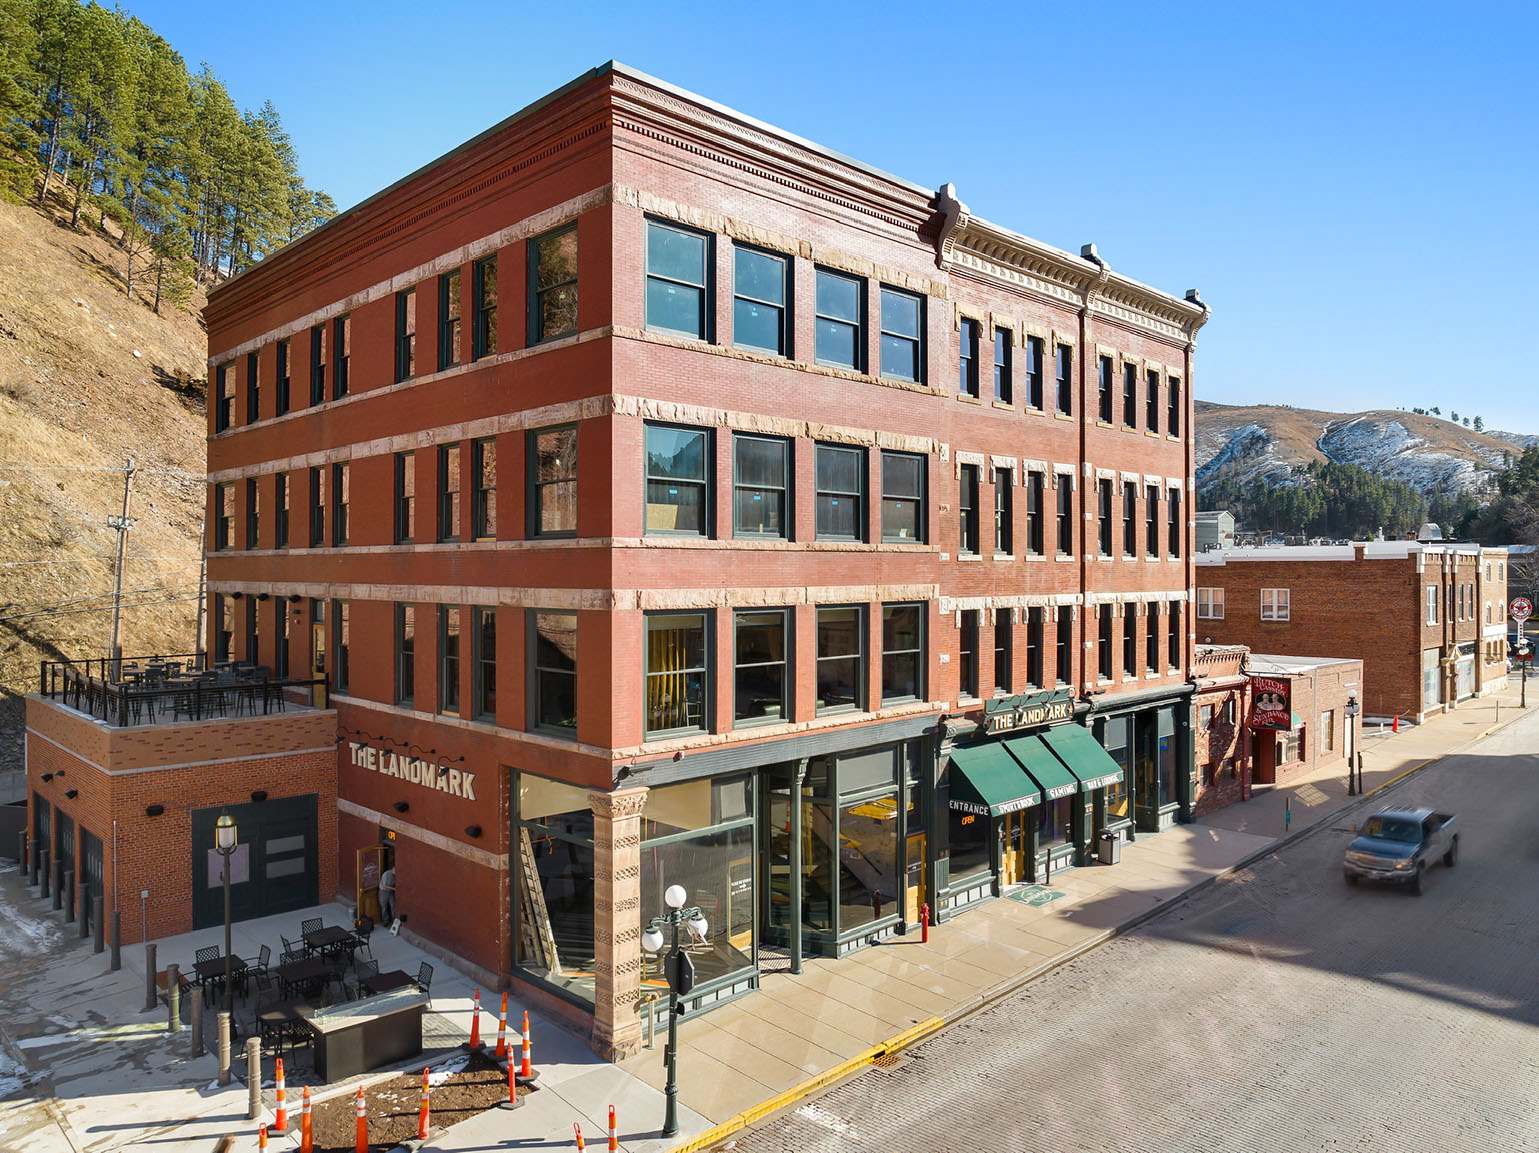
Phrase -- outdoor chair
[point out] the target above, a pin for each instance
(292, 949)
(425, 980)
(361, 935)
(307, 926)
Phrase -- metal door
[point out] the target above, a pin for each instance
(91, 864)
(1012, 858)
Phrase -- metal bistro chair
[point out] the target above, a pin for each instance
(425, 980)
(208, 953)
(310, 925)
(361, 936)
(363, 971)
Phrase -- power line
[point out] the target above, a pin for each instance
(96, 609)
(94, 597)
(91, 556)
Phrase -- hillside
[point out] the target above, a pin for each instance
(1275, 442)
(87, 379)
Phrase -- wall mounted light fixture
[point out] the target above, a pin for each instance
(47, 776)
(472, 830)
(401, 806)
(259, 796)
(236, 595)
(261, 596)
(154, 810)
(72, 793)
(294, 598)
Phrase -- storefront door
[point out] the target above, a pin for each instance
(1146, 771)
(1013, 840)
(914, 893)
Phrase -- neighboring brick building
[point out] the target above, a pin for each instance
(695, 504)
(1320, 688)
(1428, 621)
(1221, 738)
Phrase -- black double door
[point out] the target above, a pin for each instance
(274, 868)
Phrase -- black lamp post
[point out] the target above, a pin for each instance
(224, 843)
(1354, 784)
(1523, 673)
(681, 979)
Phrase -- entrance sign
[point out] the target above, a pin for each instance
(1272, 704)
(1521, 609)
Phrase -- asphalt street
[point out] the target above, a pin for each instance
(1279, 1010)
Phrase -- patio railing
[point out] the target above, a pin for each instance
(164, 690)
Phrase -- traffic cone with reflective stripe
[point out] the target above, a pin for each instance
(526, 1073)
(614, 1134)
(475, 1024)
(262, 1138)
(361, 1142)
(1395, 728)
(502, 1030)
(281, 1121)
(512, 1102)
(422, 1113)
(306, 1138)
(576, 1128)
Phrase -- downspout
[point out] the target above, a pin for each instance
(1087, 489)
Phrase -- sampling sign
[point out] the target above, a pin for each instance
(1271, 703)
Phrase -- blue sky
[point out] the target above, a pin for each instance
(1350, 185)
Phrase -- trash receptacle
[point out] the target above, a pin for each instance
(1109, 848)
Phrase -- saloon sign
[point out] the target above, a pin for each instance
(455, 782)
(1024, 712)
(1272, 705)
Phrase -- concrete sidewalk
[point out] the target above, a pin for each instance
(84, 1068)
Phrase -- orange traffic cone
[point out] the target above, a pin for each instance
(262, 1138)
(526, 1073)
(1395, 728)
(502, 1030)
(306, 1138)
(361, 1142)
(422, 1113)
(512, 1102)
(614, 1134)
(578, 1130)
(281, 1121)
(475, 1024)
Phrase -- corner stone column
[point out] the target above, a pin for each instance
(617, 921)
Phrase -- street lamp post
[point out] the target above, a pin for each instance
(681, 979)
(224, 843)
(1354, 785)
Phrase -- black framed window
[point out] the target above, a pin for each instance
(1105, 372)
(405, 497)
(448, 492)
(841, 659)
(405, 334)
(317, 506)
(281, 510)
(1129, 519)
(253, 523)
(678, 476)
(405, 654)
(1173, 406)
(224, 515)
(840, 334)
(903, 489)
(340, 498)
(317, 363)
(1175, 635)
(1004, 512)
(1034, 640)
(967, 655)
(449, 319)
(224, 396)
(281, 391)
(553, 284)
(967, 357)
(253, 651)
(555, 672)
(677, 673)
(902, 335)
(1063, 654)
(1004, 364)
(760, 292)
(1034, 356)
(678, 280)
(761, 486)
(967, 509)
(449, 659)
(1129, 643)
(1173, 505)
(1035, 537)
(1002, 650)
(1065, 487)
(553, 493)
(341, 640)
(483, 639)
(761, 688)
(1103, 642)
(1064, 357)
(1104, 516)
(483, 303)
(840, 475)
(1152, 400)
(341, 354)
(1152, 521)
(484, 508)
(1152, 638)
(903, 660)
(281, 639)
(224, 627)
(253, 388)
(1130, 396)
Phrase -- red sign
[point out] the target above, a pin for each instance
(1271, 703)
(1520, 609)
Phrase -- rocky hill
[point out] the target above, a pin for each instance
(89, 378)
(1275, 443)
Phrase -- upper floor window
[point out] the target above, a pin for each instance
(484, 469)
(1176, 528)
(449, 659)
(1105, 380)
(1173, 655)
(1173, 410)
(761, 486)
(483, 640)
(760, 288)
(1004, 512)
(553, 284)
(1432, 601)
(405, 497)
(840, 659)
(405, 334)
(840, 476)
(340, 498)
(1065, 373)
(1274, 604)
(1129, 519)
(483, 303)
(253, 515)
(1002, 650)
(448, 492)
(967, 509)
(1034, 534)
(317, 506)
(449, 319)
(341, 354)
(281, 392)
(1152, 400)
(224, 396)
(1152, 520)
(1065, 485)
(1129, 643)
(967, 655)
(760, 684)
(1034, 639)
(1104, 516)
(967, 365)
(840, 337)
(253, 388)
(903, 485)
(1034, 372)
(405, 654)
(317, 364)
(902, 652)
(1210, 604)
(281, 510)
(553, 497)
(678, 280)
(1152, 637)
(1063, 645)
(555, 671)
(1004, 357)
(1103, 642)
(676, 673)
(1130, 396)
(678, 480)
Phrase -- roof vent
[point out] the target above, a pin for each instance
(1428, 533)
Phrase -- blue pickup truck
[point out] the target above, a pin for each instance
(1399, 845)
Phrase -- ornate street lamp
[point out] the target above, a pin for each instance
(224, 843)
(1352, 710)
(681, 979)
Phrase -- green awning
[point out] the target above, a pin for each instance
(1044, 768)
(985, 780)
(1084, 755)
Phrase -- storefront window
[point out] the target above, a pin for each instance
(1117, 741)
(1431, 681)
(969, 845)
(817, 867)
(1167, 756)
(1057, 822)
(868, 861)
(555, 879)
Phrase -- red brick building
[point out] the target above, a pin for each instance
(1221, 737)
(668, 499)
(1428, 621)
(1317, 737)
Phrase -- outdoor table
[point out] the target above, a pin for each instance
(212, 972)
(330, 939)
(357, 1036)
(389, 981)
(304, 975)
(278, 1020)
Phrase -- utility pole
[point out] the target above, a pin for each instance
(122, 524)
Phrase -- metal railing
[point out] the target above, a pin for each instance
(149, 691)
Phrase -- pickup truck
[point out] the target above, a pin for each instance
(1398, 845)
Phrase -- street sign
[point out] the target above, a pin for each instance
(1520, 609)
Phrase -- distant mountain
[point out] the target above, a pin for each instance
(1276, 443)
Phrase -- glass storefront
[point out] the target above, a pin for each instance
(1056, 826)
(554, 885)
(1431, 680)
(970, 833)
(1116, 738)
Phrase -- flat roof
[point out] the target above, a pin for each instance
(1274, 663)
